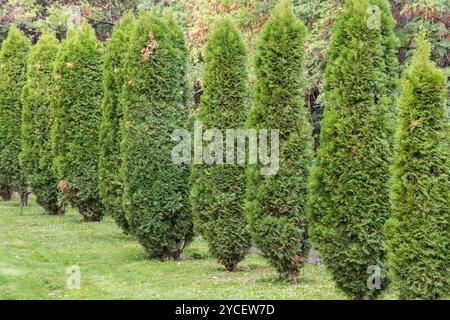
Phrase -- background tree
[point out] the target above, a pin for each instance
(111, 184)
(34, 16)
(77, 113)
(349, 189)
(156, 194)
(433, 17)
(418, 230)
(276, 205)
(13, 56)
(198, 16)
(218, 190)
(319, 17)
(36, 157)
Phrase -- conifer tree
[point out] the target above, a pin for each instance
(36, 157)
(111, 184)
(276, 204)
(418, 231)
(13, 57)
(349, 188)
(218, 190)
(156, 190)
(77, 117)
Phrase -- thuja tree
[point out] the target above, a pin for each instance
(13, 57)
(218, 190)
(349, 191)
(276, 204)
(111, 185)
(36, 157)
(418, 230)
(156, 192)
(77, 116)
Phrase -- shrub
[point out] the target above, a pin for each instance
(36, 156)
(418, 230)
(276, 205)
(218, 190)
(111, 184)
(77, 114)
(13, 56)
(349, 188)
(156, 190)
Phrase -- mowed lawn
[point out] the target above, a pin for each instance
(36, 251)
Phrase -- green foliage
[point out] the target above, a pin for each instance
(77, 117)
(36, 156)
(156, 191)
(276, 205)
(180, 44)
(349, 189)
(111, 184)
(13, 57)
(418, 231)
(218, 190)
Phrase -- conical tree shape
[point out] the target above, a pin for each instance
(111, 185)
(36, 156)
(13, 57)
(218, 190)
(349, 188)
(77, 117)
(156, 193)
(419, 230)
(276, 204)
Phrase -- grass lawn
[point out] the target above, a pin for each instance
(36, 250)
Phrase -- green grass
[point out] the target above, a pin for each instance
(36, 250)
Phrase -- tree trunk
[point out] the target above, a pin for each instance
(24, 198)
(231, 266)
(293, 276)
(58, 212)
(359, 296)
(177, 255)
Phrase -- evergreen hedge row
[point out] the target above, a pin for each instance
(100, 136)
